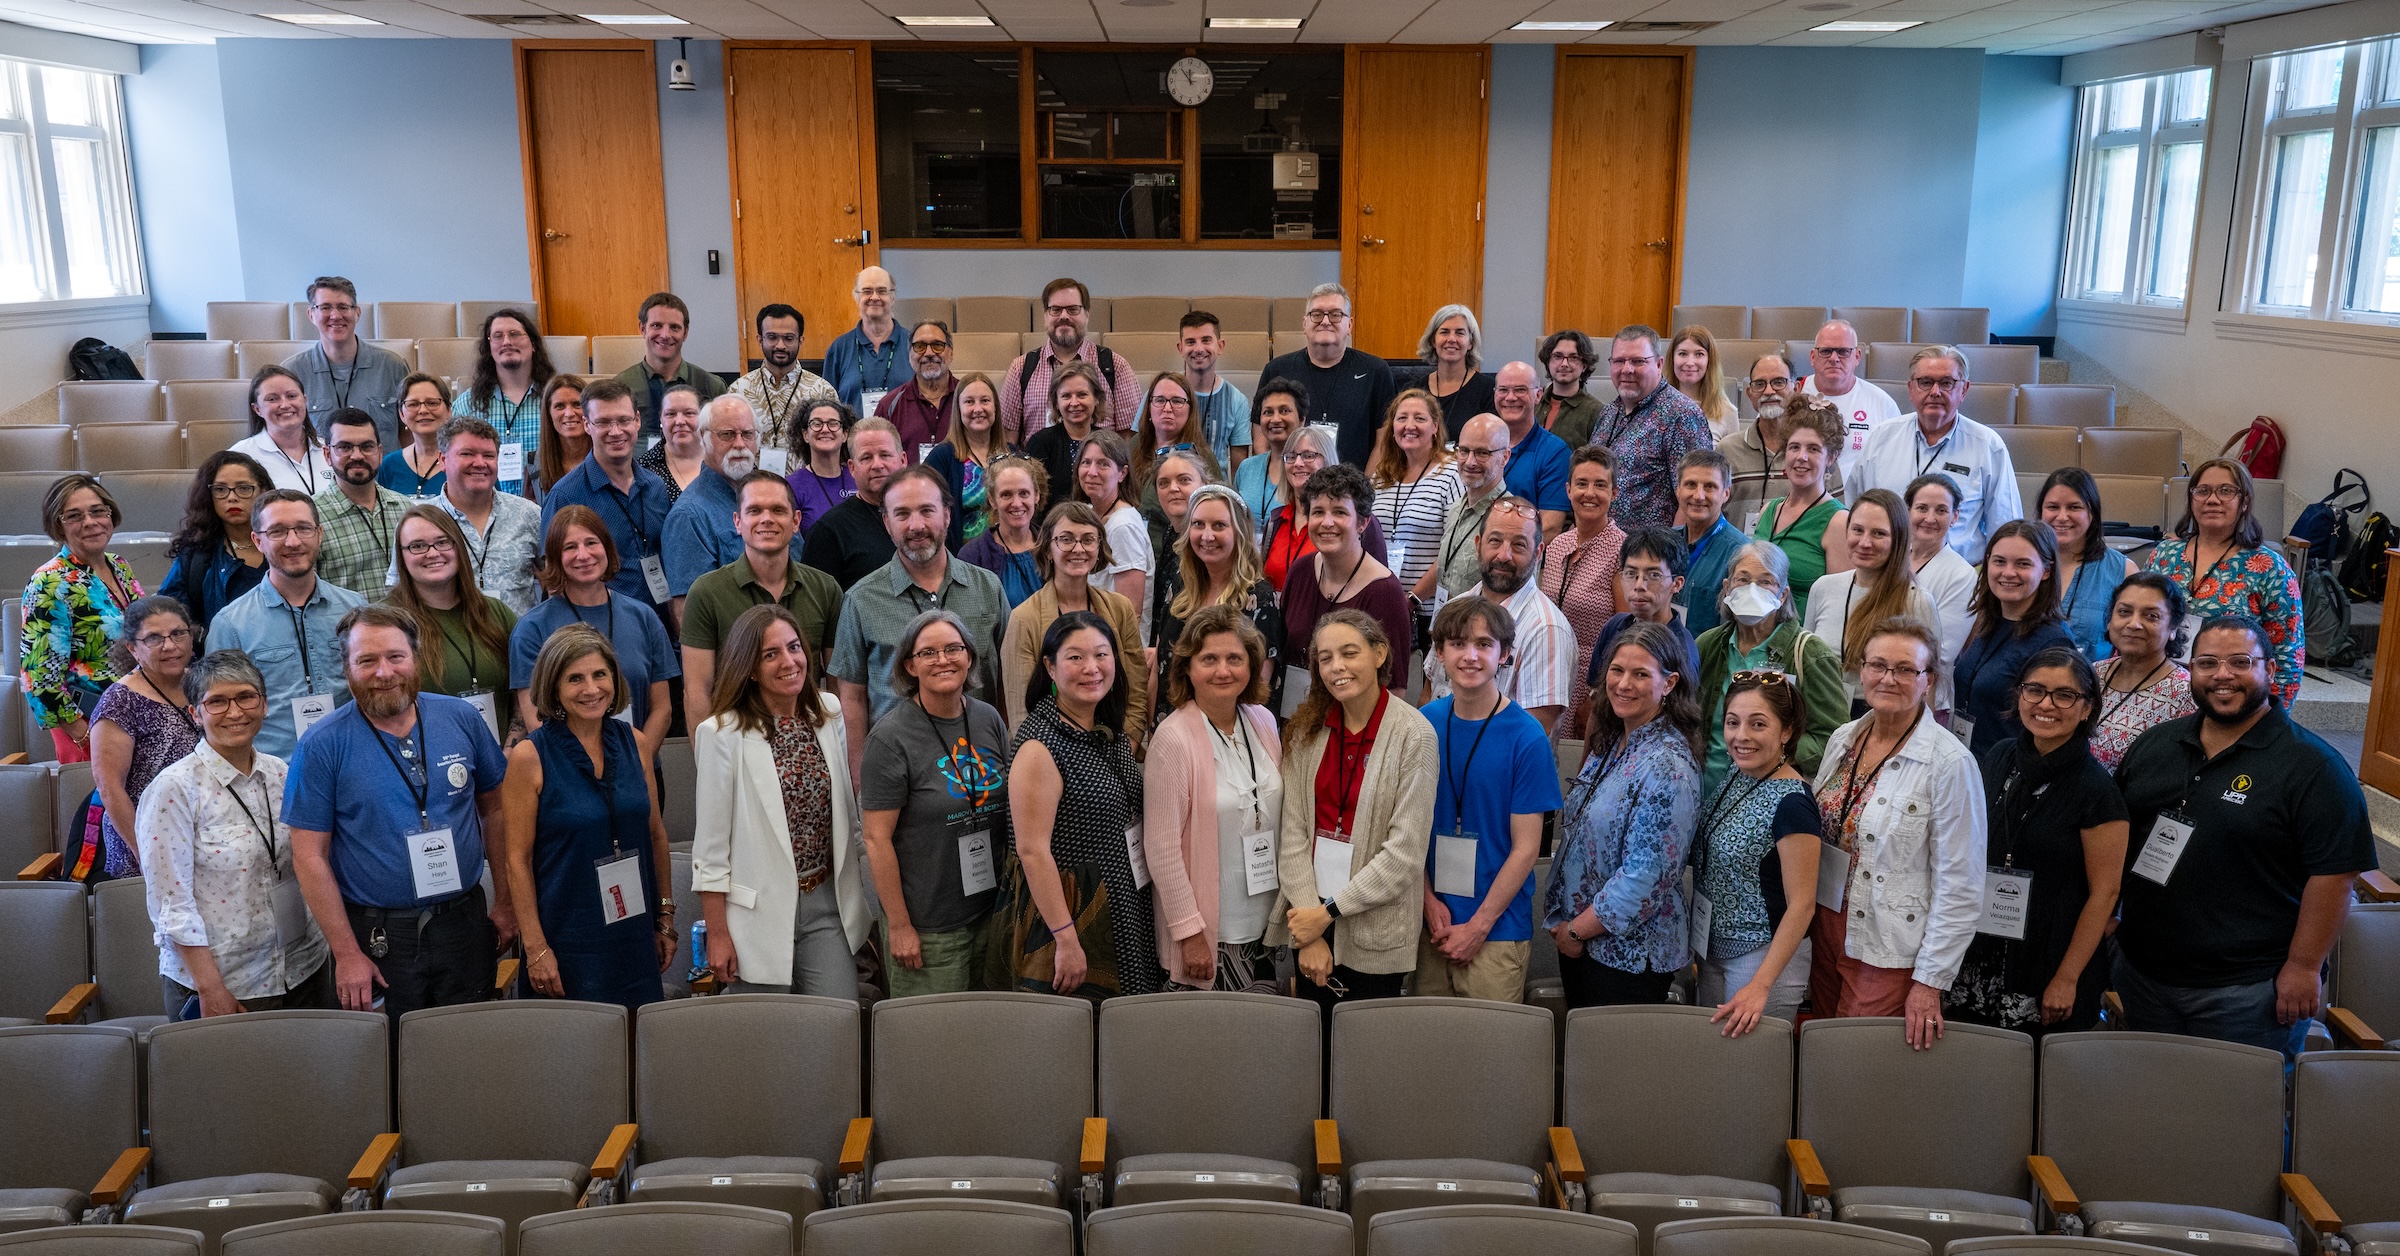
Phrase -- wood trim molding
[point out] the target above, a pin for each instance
(2379, 758)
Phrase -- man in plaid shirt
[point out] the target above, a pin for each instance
(1025, 391)
(360, 516)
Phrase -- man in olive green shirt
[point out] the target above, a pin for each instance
(766, 516)
(666, 320)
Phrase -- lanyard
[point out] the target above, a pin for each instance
(641, 539)
(1607, 765)
(306, 467)
(341, 383)
(1718, 813)
(882, 358)
(1344, 592)
(475, 655)
(1465, 535)
(1934, 452)
(2199, 575)
(383, 539)
(1345, 798)
(515, 412)
(577, 612)
(308, 672)
(419, 786)
(2129, 694)
(266, 832)
(1249, 755)
(1775, 537)
(169, 701)
(1850, 794)
(1625, 416)
(1466, 771)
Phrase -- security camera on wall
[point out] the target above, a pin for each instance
(679, 74)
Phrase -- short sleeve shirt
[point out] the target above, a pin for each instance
(345, 784)
(356, 552)
(878, 609)
(636, 520)
(505, 548)
(644, 653)
(700, 536)
(720, 597)
(947, 779)
(1491, 770)
(1537, 469)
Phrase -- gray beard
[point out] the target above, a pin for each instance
(1771, 412)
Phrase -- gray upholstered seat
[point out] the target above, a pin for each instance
(31, 1208)
(1936, 1214)
(1015, 1178)
(1005, 1117)
(1216, 1227)
(2341, 1137)
(1656, 1197)
(1781, 1236)
(2047, 1245)
(659, 1227)
(772, 1142)
(939, 1227)
(1147, 1179)
(1497, 1228)
(378, 1233)
(2187, 1228)
(102, 1240)
(2375, 1238)
(1209, 1096)
(793, 1185)
(1431, 1183)
(78, 1086)
(501, 1188)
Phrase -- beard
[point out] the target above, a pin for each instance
(2252, 700)
(920, 550)
(1770, 411)
(1503, 578)
(739, 463)
(383, 704)
(780, 358)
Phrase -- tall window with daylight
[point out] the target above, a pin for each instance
(2137, 191)
(2323, 192)
(67, 228)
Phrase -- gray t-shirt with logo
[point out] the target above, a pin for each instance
(947, 779)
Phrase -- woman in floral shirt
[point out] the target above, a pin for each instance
(1614, 903)
(74, 613)
(2219, 557)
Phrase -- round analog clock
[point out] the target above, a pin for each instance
(1190, 81)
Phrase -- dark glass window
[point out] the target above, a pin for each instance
(1266, 103)
(947, 146)
(1110, 145)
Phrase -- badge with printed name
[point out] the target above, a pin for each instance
(487, 705)
(433, 863)
(2007, 892)
(620, 888)
(1136, 856)
(1332, 861)
(1833, 875)
(654, 574)
(1295, 690)
(1258, 861)
(778, 461)
(1704, 914)
(512, 462)
(975, 867)
(1454, 864)
(2168, 837)
(307, 709)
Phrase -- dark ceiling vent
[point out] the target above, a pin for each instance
(528, 19)
(1639, 27)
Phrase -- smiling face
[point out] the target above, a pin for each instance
(162, 644)
(1633, 368)
(1074, 549)
(1930, 514)
(472, 462)
(1208, 531)
(1014, 499)
(1302, 458)
(2014, 571)
(2229, 674)
(1349, 665)
(1333, 524)
(939, 662)
(1700, 496)
(1869, 536)
(874, 460)
(1770, 387)
(1415, 427)
(587, 689)
(282, 406)
(429, 557)
(1512, 395)
(1099, 476)
(423, 411)
(873, 292)
(679, 421)
(615, 427)
(1754, 733)
(1566, 368)
(782, 661)
(1691, 362)
(2138, 625)
(1637, 684)
(1451, 340)
(1472, 661)
(357, 453)
(1804, 459)
(1085, 667)
(2051, 703)
(381, 668)
(1220, 670)
(566, 414)
(1591, 490)
(2217, 502)
(511, 343)
(765, 518)
(1067, 318)
(1327, 325)
(1896, 674)
(287, 531)
(929, 355)
(1199, 346)
(732, 446)
(1278, 418)
(917, 518)
(2068, 516)
(779, 342)
(87, 522)
(334, 313)
(583, 557)
(663, 332)
(1508, 550)
(978, 408)
(1077, 403)
(230, 713)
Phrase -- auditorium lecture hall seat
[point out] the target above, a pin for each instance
(987, 351)
(1724, 322)
(303, 326)
(1217, 1227)
(472, 313)
(569, 355)
(450, 357)
(626, 1229)
(2139, 500)
(1013, 315)
(38, 447)
(611, 354)
(70, 1097)
(1993, 405)
(253, 355)
(1150, 352)
(103, 1240)
(415, 320)
(204, 439)
(1875, 322)
(2154, 451)
(1208, 1095)
(2341, 1178)
(1496, 1229)
(1008, 1119)
(2041, 450)
(377, 1233)
(190, 401)
(2003, 364)
(2068, 405)
(1890, 360)
(1788, 322)
(1241, 351)
(1287, 314)
(910, 311)
(189, 359)
(1951, 325)
(250, 320)
(1735, 357)
(1238, 314)
(115, 447)
(44, 932)
(152, 498)
(940, 1227)
(108, 401)
(1780, 1236)
(2365, 994)
(1147, 314)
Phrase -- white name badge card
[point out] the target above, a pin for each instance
(433, 861)
(625, 713)
(1332, 863)
(1295, 690)
(778, 461)
(654, 574)
(868, 399)
(2006, 894)
(307, 709)
(487, 705)
(1258, 861)
(1136, 856)
(1704, 914)
(621, 888)
(1962, 727)
(925, 451)
(975, 867)
(1454, 864)
(2164, 850)
(1833, 875)
(512, 461)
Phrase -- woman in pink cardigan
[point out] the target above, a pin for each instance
(1212, 797)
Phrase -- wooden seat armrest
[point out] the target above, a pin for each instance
(2377, 887)
(68, 1008)
(504, 975)
(119, 1179)
(616, 1151)
(14, 759)
(705, 984)
(2053, 1185)
(854, 1144)
(1095, 1144)
(2114, 1005)
(45, 868)
(2352, 1032)
(381, 1153)
(1565, 1154)
(1810, 1170)
(2313, 1209)
(1329, 1147)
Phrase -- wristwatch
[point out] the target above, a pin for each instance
(1333, 909)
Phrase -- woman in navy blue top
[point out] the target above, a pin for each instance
(211, 558)
(585, 845)
(2016, 617)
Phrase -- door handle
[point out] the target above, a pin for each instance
(1654, 244)
(851, 241)
(1369, 242)
(550, 234)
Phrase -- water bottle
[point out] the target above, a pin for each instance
(699, 950)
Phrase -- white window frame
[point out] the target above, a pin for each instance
(122, 235)
(2157, 130)
(2349, 118)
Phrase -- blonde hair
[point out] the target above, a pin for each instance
(1711, 398)
(1387, 466)
(1245, 571)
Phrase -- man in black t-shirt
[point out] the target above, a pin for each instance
(1347, 390)
(849, 541)
(2245, 831)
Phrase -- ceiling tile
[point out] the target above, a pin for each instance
(1465, 21)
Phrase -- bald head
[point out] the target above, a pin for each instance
(1513, 387)
(1483, 447)
(873, 291)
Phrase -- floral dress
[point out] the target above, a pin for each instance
(1626, 829)
(2254, 582)
(807, 798)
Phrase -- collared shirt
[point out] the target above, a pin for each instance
(1704, 573)
(356, 551)
(296, 650)
(922, 424)
(518, 420)
(1537, 469)
(648, 386)
(1568, 418)
(71, 621)
(644, 653)
(1623, 833)
(780, 407)
(1025, 399)
(699, 536)
(1918, 839)
(1650, 439)
(1541, 672)
(1460, 558)
(636, 520)
(371, 382)
(719, 597)
(506, 548)
(1580, 579)
(214, 845)
(1758, 475)
(364, 796)
(1864, 408)
(856, 366)
(877, 609)
(1969, 453)
(310, 473)
(2270, 811)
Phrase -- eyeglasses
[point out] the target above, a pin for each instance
(824, 425)
(293, 531)
(220, 703)
(1779, 381)
(335, 307)
(1655, 577)
(873, 292)
(1327, 318)
(923, 348)
(1062, 311)
(2216, 493)
(1180, 403)
(77, 518)
(1294, 457)
(1465, 452)
(245, 491)
(2064, 699)
(936, 653)
(614, 423)
(1877, 669)
(2229, 663)
(779, 338)
(1837, 354)
(368, 447)
(510, 338)
(1931, 383)
(153, 640)
(423, 403)
(1631, 362)
(1515, 508)
(419, 549)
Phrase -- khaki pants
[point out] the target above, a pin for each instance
(1498, 972)
(955, 959)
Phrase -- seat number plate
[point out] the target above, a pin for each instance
(220, 1203)
(1204, 1177)
(1445, 1186)
(479, 1186)
(2197, 1236)
(1937, 1216)
(962, 1186)
(720, 1181)
(1687, 1203)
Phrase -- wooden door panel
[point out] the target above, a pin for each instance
(1616, 190)
(798, 128)
(1415, 125)
(595, 186)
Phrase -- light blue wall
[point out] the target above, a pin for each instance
(182, 181)
(2017, 220)
(391, 161)
(1516, 205)
(1834, 176)
(692, 144)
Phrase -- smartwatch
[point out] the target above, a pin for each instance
(1333, 909)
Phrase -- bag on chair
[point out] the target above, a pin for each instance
(2258, 447)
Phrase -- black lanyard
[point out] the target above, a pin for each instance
(419, 785)
(641, 539)
(1607, 765)
(1935, 452)
(383, 539)
(178, 708)
(610, 603)
(1625, 416)
(2198, 575)
(308, 672)
(882, 358)
(1344, 591)
(341, 383)
(306, 467)
(1469, 534)
(475, 655)
(1775, 537)
(1250, 755)
(1466, 771)
(266, 832)
(1850, 794)
(2129, 694)
(1720, 812)
(515, 411)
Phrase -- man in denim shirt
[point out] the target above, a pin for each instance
(286, 624)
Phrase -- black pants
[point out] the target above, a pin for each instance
(1590, 983)
(1355, 986)
(434, 958)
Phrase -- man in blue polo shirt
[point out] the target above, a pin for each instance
(1498, 775)
(631, 502)
(1537, 459)
(702, 534)
(1701, 487)
(392, 802)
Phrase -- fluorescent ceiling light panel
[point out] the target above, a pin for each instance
(323, 19)
(967, 19)
(633, 19)
(1254, 23)
(1864, 28)
(1561, 26)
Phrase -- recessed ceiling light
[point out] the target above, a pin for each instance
(1254, 23)
(323, 19)
(1561, 26)
(633, 19)
(946, 19)
(1864, 28)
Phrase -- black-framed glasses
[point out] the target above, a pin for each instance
(295, 531)
(367, 447)
(173, 636)
(220, 703)
(2043, 695)
(243, 491)
(1877, 669)
(438, 545)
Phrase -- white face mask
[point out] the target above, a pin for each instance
(1751, 603)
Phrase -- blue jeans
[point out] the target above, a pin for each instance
(2244, 1014)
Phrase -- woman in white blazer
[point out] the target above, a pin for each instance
(776, 849)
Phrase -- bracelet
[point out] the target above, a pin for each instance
(537, 957)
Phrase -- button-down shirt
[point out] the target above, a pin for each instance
(71, 621)
(856, 365)
(877, 609)
(1969, 453)
(1623, 835)
(1541, 669)
(518, 420)
(214, 845)
(506, 548)
(648, 386)
(1704, 573)
(780, 407)
(1025, 399)
(1650, 438)
(371, 382)
(356, 552)
(922, 424)
(699, 536)
(296, 650)
(637, 519)
(719, 597)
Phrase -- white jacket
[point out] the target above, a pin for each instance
(1916, 886)
(742, 849)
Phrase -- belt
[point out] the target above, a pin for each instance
(473, 897)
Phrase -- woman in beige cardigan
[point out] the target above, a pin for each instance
(1212, 798)
(1358, 772)
(1073, 545)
